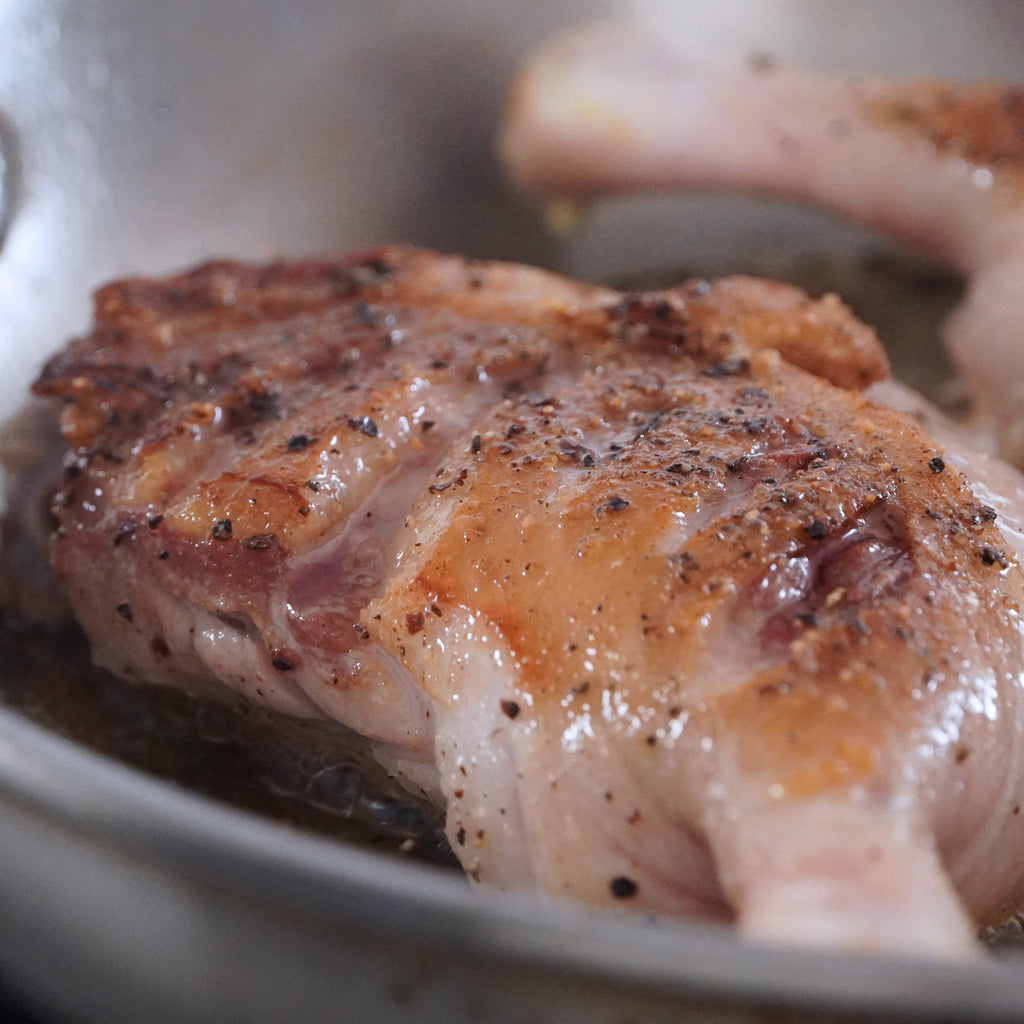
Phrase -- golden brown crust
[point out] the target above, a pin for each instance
(981, 123)
(819, 335)
(225, 357)
(726, 545)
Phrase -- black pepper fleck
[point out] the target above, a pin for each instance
(299, 441)
(616, 504)
(125, 532)
(936, 465)
(283, 661)
(726, 368)
(994, 556)
(817, 528)
(378, 266)
(366, 314)
(259, 541)
(125, 611)
(623, 888)
(222, 529)
(978, 514)
(365, 425)
(510, 708)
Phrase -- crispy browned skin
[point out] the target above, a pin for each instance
(982, 123)
(655, 610)
(276, 398)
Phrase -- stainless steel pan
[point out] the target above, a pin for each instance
(139, 136)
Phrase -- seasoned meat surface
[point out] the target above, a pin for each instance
(662, 609)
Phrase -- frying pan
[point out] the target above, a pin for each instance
(139, 136)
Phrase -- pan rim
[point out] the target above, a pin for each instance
(188, 834)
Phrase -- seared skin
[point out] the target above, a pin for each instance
(640, 586)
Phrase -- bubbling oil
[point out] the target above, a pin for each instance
(313, 776)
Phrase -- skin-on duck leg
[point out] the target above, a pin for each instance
(604, 109)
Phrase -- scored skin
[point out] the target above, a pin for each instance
(662, 617)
